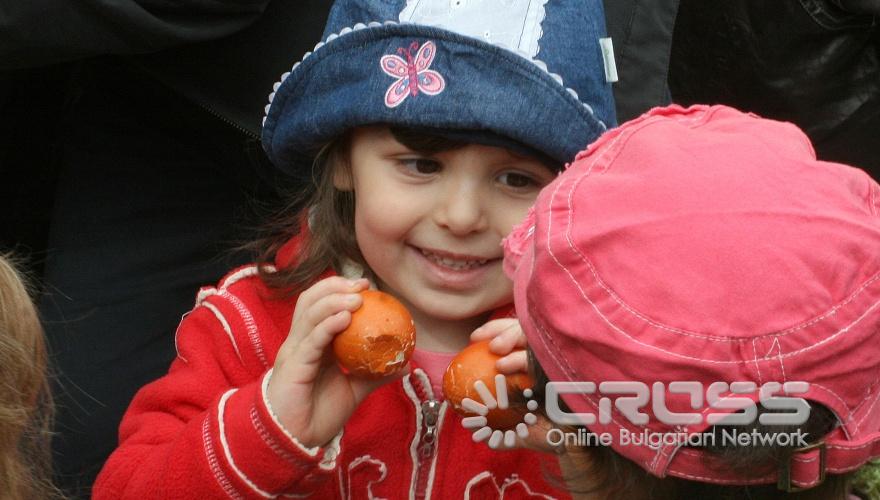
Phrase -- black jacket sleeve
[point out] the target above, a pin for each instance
(38, 32)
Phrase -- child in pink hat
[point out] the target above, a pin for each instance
(707, 259)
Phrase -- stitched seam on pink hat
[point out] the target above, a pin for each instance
(851, 448)
(849, 414)
(560, 361)
(836, 334)
(602, 163)
(778, 356)
(757, 364)
(616, 149)
(570, 374)
(697, 110)
(868, 412)
(563, 363)
(662, 452)
(872, 187)
(762, 480)
(834, 309)
(718, 476)
(865, 399)
(610, 292)
(661, 326)
(679, 355)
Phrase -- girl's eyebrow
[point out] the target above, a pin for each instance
(523, 156)
(518, 156)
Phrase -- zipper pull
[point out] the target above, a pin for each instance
(430, 412)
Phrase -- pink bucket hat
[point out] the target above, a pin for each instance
(708, 245)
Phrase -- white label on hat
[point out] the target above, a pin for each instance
(608, 59)
(512, 24)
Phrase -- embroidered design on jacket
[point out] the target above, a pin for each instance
(412, 74)
(363, 473)
(484, 486)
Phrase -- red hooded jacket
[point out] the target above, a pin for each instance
(205, 430)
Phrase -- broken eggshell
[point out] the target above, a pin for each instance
(380, 338)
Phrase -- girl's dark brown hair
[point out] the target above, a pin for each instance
(604, 473)
(25, 400)
(328, 214)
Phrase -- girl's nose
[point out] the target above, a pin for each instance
(461, 209)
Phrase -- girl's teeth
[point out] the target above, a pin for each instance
(458, 265)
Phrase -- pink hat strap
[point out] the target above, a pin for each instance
(808, 465)
(806, 468)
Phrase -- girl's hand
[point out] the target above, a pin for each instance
(308, 392)
(508, 341)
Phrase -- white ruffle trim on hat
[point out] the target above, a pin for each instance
(374, 24)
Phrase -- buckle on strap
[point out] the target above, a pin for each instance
(783, 481)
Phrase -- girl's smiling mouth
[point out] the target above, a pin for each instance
(456, 262)
(453, 269)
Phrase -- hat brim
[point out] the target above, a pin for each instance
(324, 95)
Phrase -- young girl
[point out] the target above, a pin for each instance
(694, 247)
(434, 132)
(25, 402)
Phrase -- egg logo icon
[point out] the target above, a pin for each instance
(480, 424)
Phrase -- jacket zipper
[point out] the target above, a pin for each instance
(427, 447)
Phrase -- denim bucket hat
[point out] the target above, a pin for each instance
(531, 71)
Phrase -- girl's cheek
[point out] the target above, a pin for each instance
(513, 215)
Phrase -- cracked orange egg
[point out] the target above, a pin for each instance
(380, 338)
(477, 363)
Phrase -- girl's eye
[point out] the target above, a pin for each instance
(517, 180)
(421, 166)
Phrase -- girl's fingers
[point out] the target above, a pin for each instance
(301, 361)
(492, 329)
(306, 315)
(312, 347)
(333, 284)
(327, 306)
(510, 338)
(508, 341)
(515, 362)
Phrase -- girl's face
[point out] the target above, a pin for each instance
(430, 227)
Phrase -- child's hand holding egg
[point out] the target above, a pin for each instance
(380, 338)
(477, 363)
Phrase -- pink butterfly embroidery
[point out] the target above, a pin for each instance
(412, 74)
